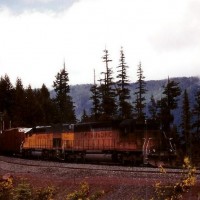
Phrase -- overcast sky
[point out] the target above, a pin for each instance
(37, 36)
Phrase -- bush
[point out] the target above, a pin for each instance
(45, 193)
(6, 186)
(174, 191)
(23, 191)
(83, 193)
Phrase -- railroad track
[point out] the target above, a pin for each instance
(93, 167)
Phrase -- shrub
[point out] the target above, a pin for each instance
(45, 193)
(174, 191)
(83, 193)
(6, 185)
(23, 191)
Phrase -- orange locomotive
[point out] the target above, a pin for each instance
(125, 140)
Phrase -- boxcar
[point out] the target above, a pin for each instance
(11, 140)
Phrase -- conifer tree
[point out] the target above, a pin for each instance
(139, 93)
(153, 108)
(168, 103)
(32, 110)
(185, 122)
(63, 100)
(108, 94)
(196, 112)
(19, 104)
(46, 104)
(6, 100)
(84, 117)
(95, 97)
(125, 108)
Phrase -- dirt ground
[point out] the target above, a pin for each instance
(115, 187)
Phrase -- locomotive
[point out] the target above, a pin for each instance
(124, 141)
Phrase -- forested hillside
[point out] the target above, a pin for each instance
(81, 94)
(21, 106)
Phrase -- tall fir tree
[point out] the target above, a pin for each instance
(168, 103)
(85, 117)
(6, 100)
(32, 111)
(95, 97)
(108, 93)
(46, 104)
(63, 100)
(123, 91)
(139, 103)
(19, 105)
(196, 113)
(196, 128)
(153, 109)
(185, 122)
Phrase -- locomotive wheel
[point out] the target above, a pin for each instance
(122, 159)
(115, 157)
(82, 157)
(45, 154)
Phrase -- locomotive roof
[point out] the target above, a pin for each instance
(140, 125)
(56, 128)
(95, 125)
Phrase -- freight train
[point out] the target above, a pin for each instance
(124, 141)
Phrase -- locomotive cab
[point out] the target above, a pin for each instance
(145, 142)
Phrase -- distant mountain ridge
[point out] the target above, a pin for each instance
(81, 94)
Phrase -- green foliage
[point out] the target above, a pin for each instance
(6, 187)
(123, 91)
(153, 108)
(196, 112)
(28, 106)
(95, 98)
(186, 124)
(45, 193)
(168, 103)
(6, 99)
(140, 94)
(19, 104)
(175, 191)
(25, 107)
(84, 193)
(107, 91)
(63, 100)
(23, 191)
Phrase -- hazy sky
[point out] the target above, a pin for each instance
(36, 36)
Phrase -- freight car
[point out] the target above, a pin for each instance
(123, 141)
(11, 140)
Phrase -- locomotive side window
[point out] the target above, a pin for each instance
(56, 142)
